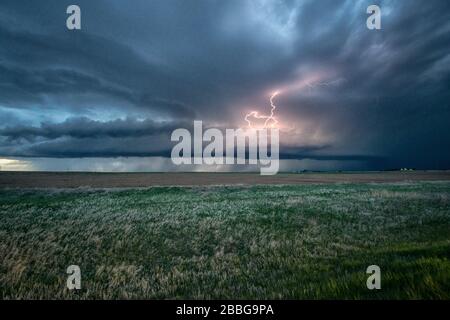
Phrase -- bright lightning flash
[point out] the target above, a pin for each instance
(310, 82)
(270, 120)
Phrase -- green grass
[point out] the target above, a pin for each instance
(263, 242)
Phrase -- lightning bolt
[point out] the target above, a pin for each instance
(270, 118)
(333, 83)
(311, 82)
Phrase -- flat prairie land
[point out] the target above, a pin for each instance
(290, 241)
(127, 180)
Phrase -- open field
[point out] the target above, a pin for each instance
(124, 180)
(290, 241)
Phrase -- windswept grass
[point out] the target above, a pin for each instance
(264, 242)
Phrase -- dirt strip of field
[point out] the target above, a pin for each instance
(122, 180)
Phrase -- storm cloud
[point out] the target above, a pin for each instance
(134, 73)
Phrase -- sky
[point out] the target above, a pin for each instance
(107, 97)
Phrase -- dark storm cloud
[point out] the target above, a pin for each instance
(86, 128)
(83, 137)
(209, 60)
(80, 66)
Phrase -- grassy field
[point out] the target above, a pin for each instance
(296, 242)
